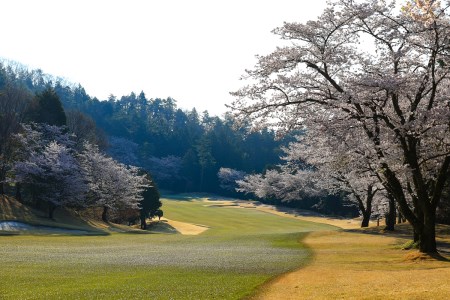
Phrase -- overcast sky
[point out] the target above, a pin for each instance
(191, 50)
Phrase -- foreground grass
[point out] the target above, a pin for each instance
(242, 249)
(364, 265)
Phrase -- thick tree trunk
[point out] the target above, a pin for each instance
(422, 219)
(105, 214)
(365, 220)
(391, 215)
(427, 234)
(366, 211)
(2, 189)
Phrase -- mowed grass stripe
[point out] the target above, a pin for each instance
(242, 249)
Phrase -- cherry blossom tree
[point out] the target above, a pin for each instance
(123, 150)
(331, 166)
(228, 177)
(112, 185)
(338, 168)
(279, 184)
(383, 76)
(36, 150)
(55, 173)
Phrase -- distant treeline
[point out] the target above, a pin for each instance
(183, 149)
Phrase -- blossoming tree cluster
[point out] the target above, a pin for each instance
(54, 172)
(372, 83)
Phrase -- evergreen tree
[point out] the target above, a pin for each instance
(150, 202)
(47, 108)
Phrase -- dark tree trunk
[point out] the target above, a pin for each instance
(365, 220)
(391, 215)
(366, 211)
(143, 223)
(105, 214)
(51, 210)
(427, 236)
(36, 202)
(2, 179)
(18, 192)
(400, 218)
(423, 218)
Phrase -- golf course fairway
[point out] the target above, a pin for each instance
(241, 249)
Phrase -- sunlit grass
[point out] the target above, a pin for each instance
(356, 265)
(241, 249)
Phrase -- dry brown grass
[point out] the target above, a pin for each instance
(351, 265)
(342, 223)
(10, 209)
(170, 226)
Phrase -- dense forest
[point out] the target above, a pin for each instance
(184, 150)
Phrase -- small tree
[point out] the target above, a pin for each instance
(150, 202)
(159, 213)
(47, 108)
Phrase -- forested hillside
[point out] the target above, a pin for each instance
(183, 149)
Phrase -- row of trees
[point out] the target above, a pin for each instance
(369, 84)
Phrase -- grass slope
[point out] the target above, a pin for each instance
(242, 249)
(12, 210)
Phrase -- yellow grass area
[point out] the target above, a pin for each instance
(342, 223)
(349, 265)
(187, 228)
(170, 226)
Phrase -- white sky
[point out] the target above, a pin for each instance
(191, 50)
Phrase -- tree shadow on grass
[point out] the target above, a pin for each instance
(162, 226)
(405, 232)
(36, 221)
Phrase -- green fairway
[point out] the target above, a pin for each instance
(241, 250)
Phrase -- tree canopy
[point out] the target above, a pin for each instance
(365, 70)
